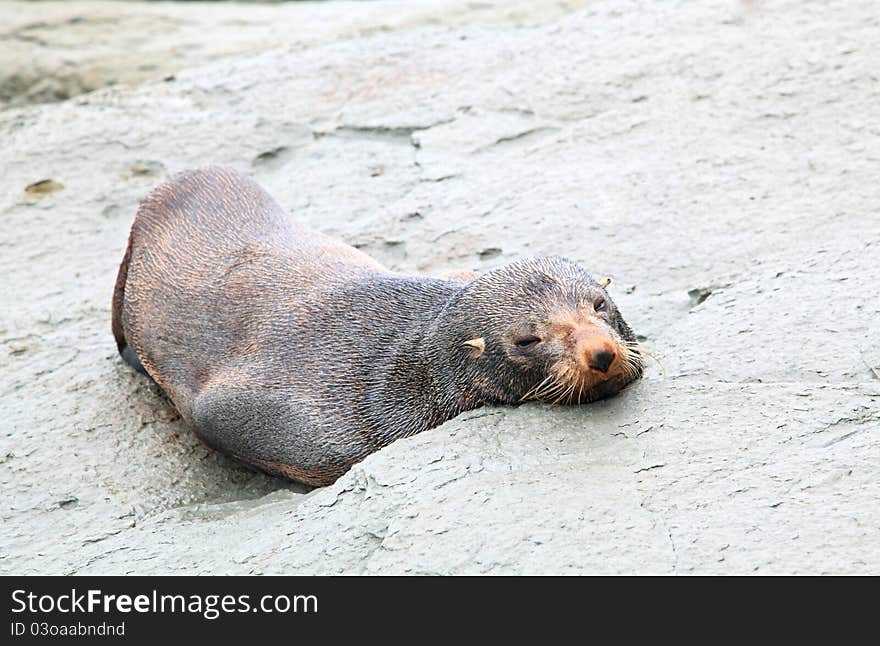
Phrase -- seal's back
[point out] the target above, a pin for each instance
(203, 265)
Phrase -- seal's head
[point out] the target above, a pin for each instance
(543, 328)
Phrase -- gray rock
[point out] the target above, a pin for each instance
(717, 159)
(56, 49)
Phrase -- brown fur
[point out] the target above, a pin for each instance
(300, 355)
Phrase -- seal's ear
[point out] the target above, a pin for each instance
(478, 346)
(605, 281)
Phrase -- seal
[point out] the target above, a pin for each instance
(300, 355)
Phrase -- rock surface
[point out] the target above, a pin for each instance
(718, 159)
(55, 49)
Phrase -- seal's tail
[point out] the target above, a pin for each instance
(118, 299)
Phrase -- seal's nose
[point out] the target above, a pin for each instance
(601, 360)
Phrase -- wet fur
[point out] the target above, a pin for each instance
(301, 355)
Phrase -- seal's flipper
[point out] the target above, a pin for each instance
(267, 430)
(131, 359)
(118, 302)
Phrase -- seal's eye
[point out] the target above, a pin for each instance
(526, 342)
(601, 304)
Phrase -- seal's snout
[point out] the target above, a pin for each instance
(601, 359)
(594, 349)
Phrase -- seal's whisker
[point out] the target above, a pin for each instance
(643, 352)
(574, 389)
(566, 394)
(632, 366)
(626, 360)
(541, 394)
(550, 392)
(571, 382)
(559, 386)
(561, 397)
(545, 386)
(534, 389)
